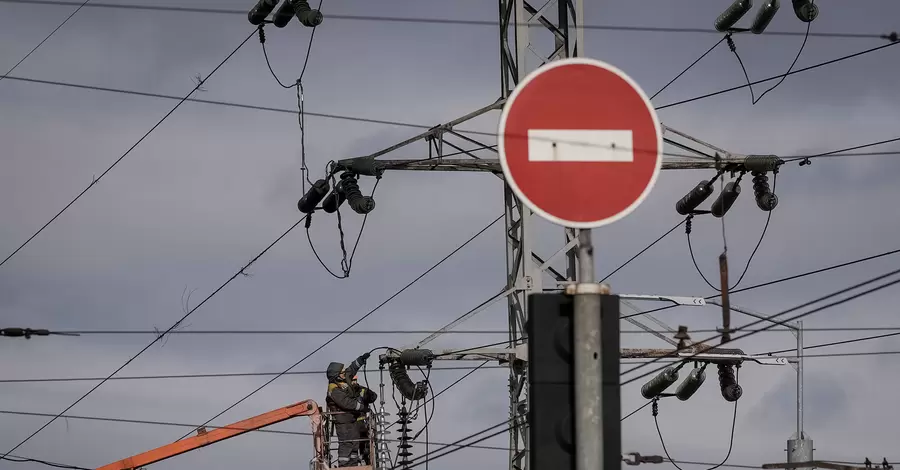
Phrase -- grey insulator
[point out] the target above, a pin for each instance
(659, 383)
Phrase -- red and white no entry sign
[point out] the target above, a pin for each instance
(580, 143)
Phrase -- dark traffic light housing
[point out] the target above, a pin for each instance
(551, 382)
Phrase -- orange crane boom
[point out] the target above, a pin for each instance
(205, 438)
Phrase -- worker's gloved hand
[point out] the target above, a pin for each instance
(364, 357)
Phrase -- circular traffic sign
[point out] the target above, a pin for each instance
(580, 143)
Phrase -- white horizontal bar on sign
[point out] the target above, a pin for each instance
(580, 145)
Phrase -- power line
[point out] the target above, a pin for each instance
(782, 322)
(209, 376)
(97, 179)
(778, 281)
(423, 332)
(175, 325)
(369, 313)
(843, 151)
(776, 77)
(183, 425)
(17, 459)
(447, 21)
(688, 68)
(426, 458)
(838, 343)
(35, 48)
(406, 124)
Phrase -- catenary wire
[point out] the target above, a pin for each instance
(779, 281)
(447, 21)
(127, 152)
(46, 38)
(159, 337)
(361, 319)
(804, 69)
(782, 322)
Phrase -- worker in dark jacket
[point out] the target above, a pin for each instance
(368, 397)
(347, 408)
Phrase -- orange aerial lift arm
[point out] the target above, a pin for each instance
(205, 438)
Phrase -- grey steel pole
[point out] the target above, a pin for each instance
(588, 370)
(800, 380)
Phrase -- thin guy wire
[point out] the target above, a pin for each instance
(97, 179)
(175, 325)
(448, 21)
(635, 411)
(23, 59)
(370, 312)
(780, 280)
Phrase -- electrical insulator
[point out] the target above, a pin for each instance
(725, 200)
(764, 17)
(283, 15)
(306, 15)
(731, 390)
(403, 453)
(383, 456)
(691, 384)
(261, 10)
(762, 163)
(691, 200)
(765, 198)
(313, 197)
(733, 14)
(659, 383)
(806, 10)
(416, 357)
(347, 189)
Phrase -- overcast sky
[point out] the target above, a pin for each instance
(214, 185)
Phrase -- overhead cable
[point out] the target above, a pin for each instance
(183, 425)
(17, 459)
(778, 281)
(209, 376)
(127, 152)
(774, 322)
(367, 315)
(448, 21)
(776, 77)
(837, 343)
(159, 337)
(46, 38)
(406, 124)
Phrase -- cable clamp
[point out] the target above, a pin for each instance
(591, 288)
